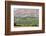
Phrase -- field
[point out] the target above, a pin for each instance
(26, 21)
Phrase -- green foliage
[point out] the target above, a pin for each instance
(33, 21)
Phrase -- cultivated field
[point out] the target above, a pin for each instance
(27, 21)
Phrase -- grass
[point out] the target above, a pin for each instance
(33, 21)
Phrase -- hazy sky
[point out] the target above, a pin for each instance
(20, 12)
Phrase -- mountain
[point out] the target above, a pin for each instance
(26, 13)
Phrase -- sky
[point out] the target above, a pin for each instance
(25, 12)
